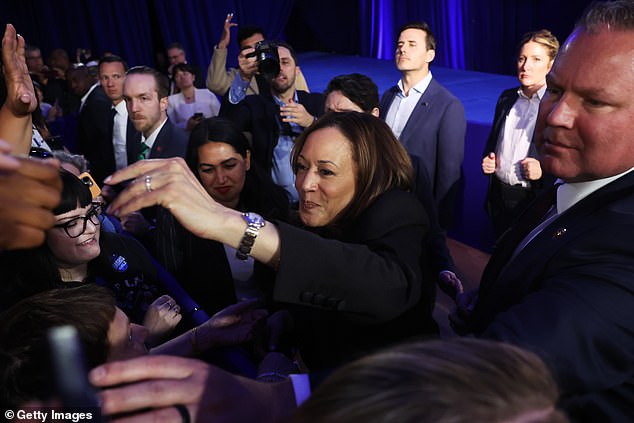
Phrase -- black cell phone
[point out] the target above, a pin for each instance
(198, 115)
(69, 369)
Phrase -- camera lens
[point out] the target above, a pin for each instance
(86, 180)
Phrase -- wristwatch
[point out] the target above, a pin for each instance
(254, 223)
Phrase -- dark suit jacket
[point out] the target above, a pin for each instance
(436, 241)
(359, 288)
(171, 141)
(103, 152)
(506, 100)
(93, 129)
(569, 297)
(435, 132)
(258, 115)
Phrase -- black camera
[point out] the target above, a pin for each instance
(267, 57)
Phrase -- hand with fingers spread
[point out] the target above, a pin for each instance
(226, 31)
(296, 113)
(154, 388)
(161, 318)
(15, 114)
(29, 190)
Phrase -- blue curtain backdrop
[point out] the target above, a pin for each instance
(472, 34)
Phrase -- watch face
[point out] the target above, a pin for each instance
(253, 219)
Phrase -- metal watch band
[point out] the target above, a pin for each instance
(254, 223)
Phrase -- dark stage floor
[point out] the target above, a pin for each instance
(478, 92)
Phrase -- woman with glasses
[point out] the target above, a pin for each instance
(76, 252)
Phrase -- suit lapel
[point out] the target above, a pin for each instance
(420, 111)
(525, 272)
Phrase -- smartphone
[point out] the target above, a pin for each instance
(88, 180)
(69, 369)
(198, 115)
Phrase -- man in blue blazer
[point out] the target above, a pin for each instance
(427, 119)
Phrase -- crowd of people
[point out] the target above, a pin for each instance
(311, 228)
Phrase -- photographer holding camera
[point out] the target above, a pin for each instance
(220, 77)
(274, 118)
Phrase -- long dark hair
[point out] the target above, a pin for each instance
(259, 194)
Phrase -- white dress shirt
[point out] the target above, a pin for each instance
(403, 105)
(179, 111)
(515, 140)
(119, 135)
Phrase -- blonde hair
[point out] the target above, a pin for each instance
(544, 38)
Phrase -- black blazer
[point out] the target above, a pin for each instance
(505, 102)
(259, 114)
(360, 288)
(569, 297)
(171, 141)
(93, 130)
(435, 132)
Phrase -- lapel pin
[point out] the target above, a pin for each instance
(559, 233)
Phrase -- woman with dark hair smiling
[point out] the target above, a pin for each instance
(218, 155)
(353, 275)
(77, 252)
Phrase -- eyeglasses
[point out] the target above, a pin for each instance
(74, 227)
(40, 153)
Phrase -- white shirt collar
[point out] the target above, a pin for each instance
(149, 141)
(420, 87)
(570, 194)
(539, 93)
(121, 108)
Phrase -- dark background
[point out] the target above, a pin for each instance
(472, 35)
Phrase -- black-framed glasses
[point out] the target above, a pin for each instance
(77, 226)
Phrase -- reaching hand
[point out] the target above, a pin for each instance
(21, 98)
(161, 318)
(149, 387)
(174, 187)
(29, 190)
(231, 326)
(226, 31)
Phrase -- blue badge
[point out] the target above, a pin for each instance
(119, 264)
